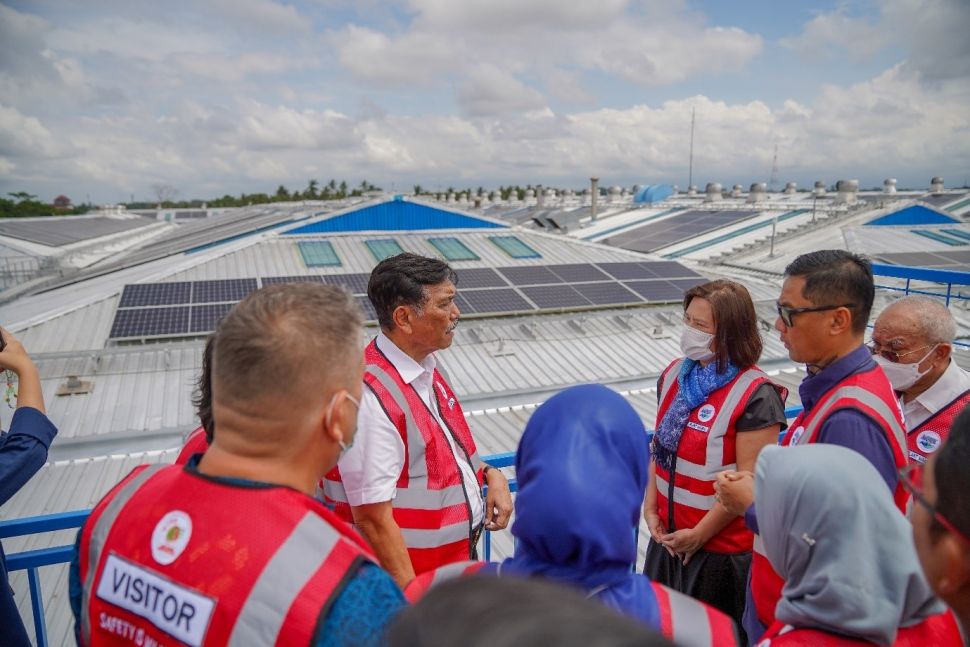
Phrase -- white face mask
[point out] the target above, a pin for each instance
(902, 376)
(696, 344)
(344, 447)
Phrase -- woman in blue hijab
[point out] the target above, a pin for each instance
(582, 467)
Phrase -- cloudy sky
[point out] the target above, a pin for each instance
(106, 99)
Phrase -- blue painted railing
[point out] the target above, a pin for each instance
(949, 278)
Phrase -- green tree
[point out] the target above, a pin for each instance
(342, 192)
(282, 193)
(311, 190)
(22, 196)
(417, 189)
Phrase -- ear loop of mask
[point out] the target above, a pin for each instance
(344, 447)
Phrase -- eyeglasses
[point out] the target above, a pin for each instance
(786, 313)
(911, 477)
(890, 354)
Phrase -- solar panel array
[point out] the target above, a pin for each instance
(657, 235)
(940, 199)
(181, 309)
(955, 260)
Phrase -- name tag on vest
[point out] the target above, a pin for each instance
(179, 611)
(697, 427)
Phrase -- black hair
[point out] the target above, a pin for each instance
(835, 277)
(951, 475)
(202, 401)
(486, 611)
(400, 280)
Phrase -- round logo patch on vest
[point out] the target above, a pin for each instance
(706, 412)
(928, 442)
(796, 435)
(171, 536)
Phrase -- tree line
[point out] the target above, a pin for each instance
(26, 205)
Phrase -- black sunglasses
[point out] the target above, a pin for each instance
(787, 313)
(911, 477)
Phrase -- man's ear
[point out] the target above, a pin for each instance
(942, 351)
(402, 317)
(840, 321)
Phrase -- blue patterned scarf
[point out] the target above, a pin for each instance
(695, 383)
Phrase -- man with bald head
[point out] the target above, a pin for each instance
(912, 341)
(232, 548)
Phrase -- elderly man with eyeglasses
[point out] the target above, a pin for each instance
(912, 341)
(823, 309)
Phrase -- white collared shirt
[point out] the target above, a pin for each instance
(952, 383)
(371, 468)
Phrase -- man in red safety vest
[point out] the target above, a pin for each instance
(912, 340)
(847, 400)
(412, 484)
(232, 548)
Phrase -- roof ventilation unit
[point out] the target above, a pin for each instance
(615, 193)
(936, 185)
(848, 191)
(692, 191)
(889, 186)
(758, 192)
(819, 190)
(713, 191)
(790, 188)
(736, 191)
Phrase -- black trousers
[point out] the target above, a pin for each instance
(718, 579)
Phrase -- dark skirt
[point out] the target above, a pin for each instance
(719, 579)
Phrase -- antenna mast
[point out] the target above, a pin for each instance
(690, 172)
(774, 170)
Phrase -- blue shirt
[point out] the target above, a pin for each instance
(358, 617)
(23, 451)
(847, 427)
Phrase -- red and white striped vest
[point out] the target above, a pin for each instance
(170, 554)
(868, 392)
(930, 434)
(431, 506)
(707, 446)
(683, 619)
(940, 630)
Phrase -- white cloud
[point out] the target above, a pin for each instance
(263, 15)
(489, 90)
(832, 35)
(25, 136)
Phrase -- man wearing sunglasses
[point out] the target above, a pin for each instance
(941, 518)
(912, 341)
(823, 309)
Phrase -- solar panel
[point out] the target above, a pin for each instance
(463, 305)
(453, 249)
(497, 300)
(155, 294)
(627, 271)
(668, 269)
(961, 257)
(370, 314)
(578, 272)
(150, 322)
(686, 284)
(529, 275)
(656, 290)
(318, 253)
(602, 294)
(276, 280)
(222, 290)
(555, 296)
(663, 233)
(356, 283)
(205, 318)
(480, 277)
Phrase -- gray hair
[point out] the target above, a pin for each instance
(935, 320)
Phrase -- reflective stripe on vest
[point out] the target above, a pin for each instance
(423, 583)
(818, 415)
(99, 533)
(692, 623)
(284, 576)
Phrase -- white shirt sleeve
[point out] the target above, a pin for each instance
(371, 468)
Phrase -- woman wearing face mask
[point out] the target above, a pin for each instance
(716, 411)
